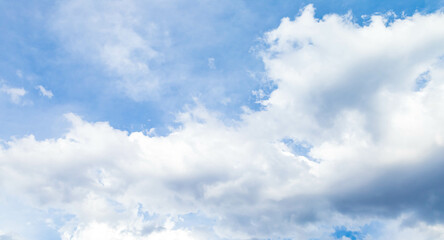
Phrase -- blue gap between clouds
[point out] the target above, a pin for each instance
(299, 148)
(372, 229)
(422, 80)
(342, 231)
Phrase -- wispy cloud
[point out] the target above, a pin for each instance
(19, 73)
(110, 34)
(45, 92)
(15, 94)
(211, 63)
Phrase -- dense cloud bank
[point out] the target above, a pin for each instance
(352, 137)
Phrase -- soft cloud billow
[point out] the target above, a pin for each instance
(346, 146)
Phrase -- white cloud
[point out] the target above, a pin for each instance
(15, 94)
(346, 91)
(45, 92)
(96, 230)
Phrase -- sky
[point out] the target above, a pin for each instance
(174, 119)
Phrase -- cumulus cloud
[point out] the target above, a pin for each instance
(372, 148)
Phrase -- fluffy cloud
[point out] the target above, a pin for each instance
(347, 139)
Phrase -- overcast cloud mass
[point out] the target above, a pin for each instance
(208, 120)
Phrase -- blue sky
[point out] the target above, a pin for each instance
(229, 33)
(221, 119)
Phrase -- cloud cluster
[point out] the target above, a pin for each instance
(347, 139)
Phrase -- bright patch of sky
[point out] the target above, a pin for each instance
(221, 119)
